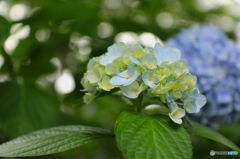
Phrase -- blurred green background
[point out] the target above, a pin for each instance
(45, 46)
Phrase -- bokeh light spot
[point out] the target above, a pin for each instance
(65, 83)
(104, 30)
(18, 12)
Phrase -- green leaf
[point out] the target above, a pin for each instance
(147, 137)
(4, 30)
(206, 132)
(52, 140)
(25, 108)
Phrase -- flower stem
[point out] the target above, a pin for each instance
(139, 104)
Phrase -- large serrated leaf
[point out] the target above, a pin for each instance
(206, 132)
(52, 140)
(147, 137)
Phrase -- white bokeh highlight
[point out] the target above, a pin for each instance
(65, 83)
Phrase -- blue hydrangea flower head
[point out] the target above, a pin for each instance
(153, 73)
(215, 60)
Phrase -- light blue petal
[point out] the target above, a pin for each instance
(195, 92)
(123, 74)
(201, 101)
(146, 58)
(146, 76)
(106, 60)
(158, 48)
(149, 61)
(173, 106)
(190, 107)
(118, 71)
(152, 85)
(158, 52)
(170, 98)
(178, 53)
(171, 55)
(131, 80)
(175, 51)
(192, 98)
(134, 60)
(131, 71)
(115, 50)
(116, 80)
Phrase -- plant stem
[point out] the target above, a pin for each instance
(139, 104)
(8, 63)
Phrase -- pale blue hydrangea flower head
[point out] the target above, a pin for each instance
(215, 60)
(153, 73)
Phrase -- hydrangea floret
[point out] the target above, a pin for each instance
(155, 73)
(215, 60)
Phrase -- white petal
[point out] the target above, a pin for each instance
(129, 94)
(105, 84)
(180, 113)
(110, 69)
(116, 80)
(178, 121)
(177, 114)
(93, 77)
(132, 90)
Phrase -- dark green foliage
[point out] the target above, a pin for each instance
(25, 108)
